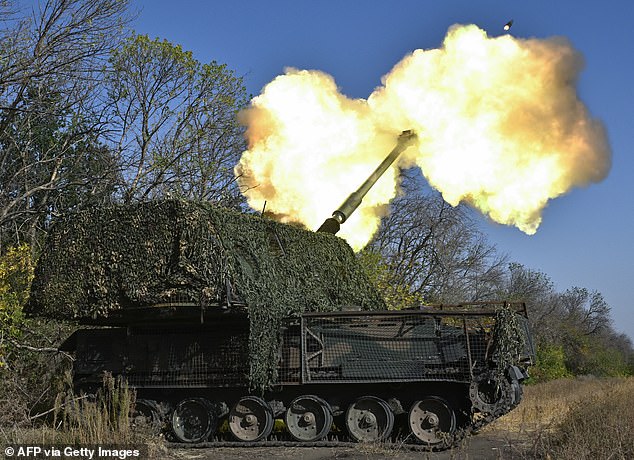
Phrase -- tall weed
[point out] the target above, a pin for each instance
(89, 420)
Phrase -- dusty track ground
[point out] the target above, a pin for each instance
(490, 444)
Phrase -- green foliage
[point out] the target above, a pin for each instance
(178, 122)
(396, 295)
(572, 329)
(52, 115)
(52, 156)
(550, 365)
(16, 273)
(27, 369)
(579, 355)
(607, 362)
(141, 52)
(590, 355)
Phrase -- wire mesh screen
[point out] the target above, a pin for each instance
(168, 357)
(206, 358)
(316, 348)
(389, 347)
(289, 369)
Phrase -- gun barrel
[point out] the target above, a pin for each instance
(332, 224)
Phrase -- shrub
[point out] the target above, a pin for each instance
(30, 366)
(16, 273)
(550, 365)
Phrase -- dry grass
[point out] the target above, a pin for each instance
(88, 421)
(568, 419)
(583, 418)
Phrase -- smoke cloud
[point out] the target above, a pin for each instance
(499, 123)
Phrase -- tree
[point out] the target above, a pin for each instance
(396, 294)
(433, 251)
(572, 329)
(53, 163)
(551, 363)
(60, 41)
(176, 123)
(29, 359)
(537, 290)
(50, 112)
(586, 311)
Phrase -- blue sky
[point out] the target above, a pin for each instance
(587, 236)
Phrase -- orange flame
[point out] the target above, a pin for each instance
(499, 123)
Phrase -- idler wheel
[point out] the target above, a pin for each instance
(250, 419)
(308, 418)
(193, 420)
(492, 394)
(432, 421)
(369, 419)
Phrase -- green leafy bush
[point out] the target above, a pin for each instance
(16, 273)
(550, 365)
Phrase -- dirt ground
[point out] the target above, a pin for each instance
(484, 446)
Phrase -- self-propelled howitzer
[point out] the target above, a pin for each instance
(224, 322)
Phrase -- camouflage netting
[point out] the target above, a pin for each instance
(509, 338)
(105, 260)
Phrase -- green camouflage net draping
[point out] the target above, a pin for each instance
(509, 337)
(109, 259)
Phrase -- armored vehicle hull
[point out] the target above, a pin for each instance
(427, 376)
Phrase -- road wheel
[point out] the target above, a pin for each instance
(308, 418)
(369, 419)
(193, 420)
(432, 421)
(250, 419)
